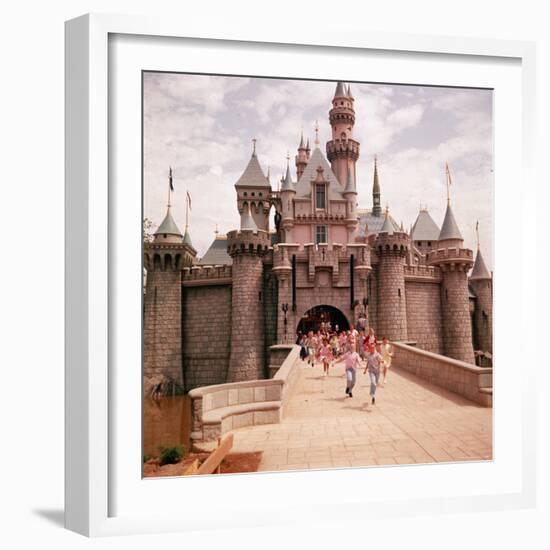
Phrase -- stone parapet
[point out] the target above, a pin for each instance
(461, 258)
(207, 274)
(422, 273)
(221, 408)
(348, 148)
(248, 242)
(472, 382)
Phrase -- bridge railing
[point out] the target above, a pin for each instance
(470, 381)
(220, 408)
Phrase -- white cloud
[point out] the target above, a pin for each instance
(202, 126)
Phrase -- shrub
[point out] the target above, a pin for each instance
(171, 455)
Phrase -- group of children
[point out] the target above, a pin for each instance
(351, 347)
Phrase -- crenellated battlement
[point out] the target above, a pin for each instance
(247, 241)
(422, 273)
(451, 258)
(396, 243)
(206, 274)
(348, 148)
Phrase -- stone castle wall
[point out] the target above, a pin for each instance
(206, 334)
(247, 360)
(483, 315)
(162, 328)
(424, 315)
(456, 321)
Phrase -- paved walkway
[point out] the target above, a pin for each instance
(412, 422)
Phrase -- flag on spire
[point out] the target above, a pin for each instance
(170, 180)
(189, 200)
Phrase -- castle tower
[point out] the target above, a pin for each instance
(482, 284)
(254, 189)
(287, 194)
(247, 247)
(302, 157)
(391, 247)
(454, 261)
(342, 149)
(376, 206)
(350, 194)
(164, 258)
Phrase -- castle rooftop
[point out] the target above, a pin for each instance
(449, 229)
(168, 226)
(253, 175)
(217, 253)
(480, 270)
(424, 228)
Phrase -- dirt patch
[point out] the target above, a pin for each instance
(234, 463)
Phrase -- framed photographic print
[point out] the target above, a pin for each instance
(289, 271)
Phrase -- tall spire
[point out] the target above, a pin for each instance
(349, 92)
(301, 146)
(376, 205)
(317, 135)
(287, 181)
(340, 90)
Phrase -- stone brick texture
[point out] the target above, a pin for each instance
(483, 315)
(247, 359)
(226, 325)
(162, 359)
(206, 334)
(424, 315)
(391, 303)
(456, 319)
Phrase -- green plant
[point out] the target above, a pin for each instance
(146, 458)
(171, 455)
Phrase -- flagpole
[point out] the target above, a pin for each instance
(477, 233)
(448, 178)
(186, 210)
(169, 185)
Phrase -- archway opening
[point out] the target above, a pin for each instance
(322, 316)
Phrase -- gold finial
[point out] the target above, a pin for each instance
(317, 134)
(216, 230)
(254, 146)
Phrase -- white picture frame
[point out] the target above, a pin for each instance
(92, 215)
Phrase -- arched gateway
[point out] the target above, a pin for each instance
(314, 318)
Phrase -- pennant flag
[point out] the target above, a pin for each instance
(448, 173)
(189, 200)
(170, 180)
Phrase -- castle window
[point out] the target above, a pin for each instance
(245, 193)
(320, 196)
(321, 234)
(429, 243)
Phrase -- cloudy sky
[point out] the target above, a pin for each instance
(203, 125)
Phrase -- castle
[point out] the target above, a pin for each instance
(212, 320)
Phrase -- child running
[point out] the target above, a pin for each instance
(387, 354)
(325, 354)
(374, 361)
(353, 360)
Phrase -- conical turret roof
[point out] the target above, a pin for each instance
(340, 90)
(424, 228)
(350, 184)
(288, 185)
(449, 229)
(480, 270)
(187, 238)
(247, 221)
(253, 175)
(168, 226)
(388, 226)
(375, 183)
